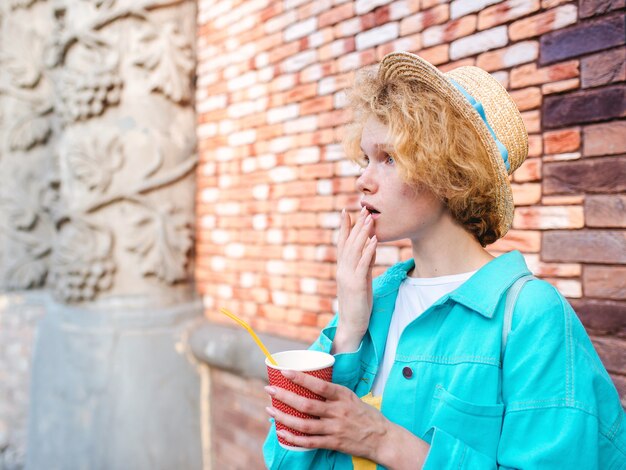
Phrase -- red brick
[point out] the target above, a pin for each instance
(431, 3)
(299, 93)
(319, 170)
(527, 75)
(526, 194)
(516, 54)
(535, 147)
(381, 15)
(317, 203)
(313, 8)
(268, 41)
(543, 22)
(547, 4)
(450, 31)
(279, 53)
(559, 87)
(272, 10)
(561, 141)
(573, 200)
(335, 15)
(532, 121)
(334, 118)
(424, 19)
(317, 71)
(548, 217)
(337, 48)
(506, 11)
(530, 170)
(316, 105)
(527, 241)
(458, 63)
(527, 98)
(436, 55)
(295, 188)
(368, 21)
(411, 43)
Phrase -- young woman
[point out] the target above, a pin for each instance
(447, 360)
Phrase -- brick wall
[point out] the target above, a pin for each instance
(272, 178)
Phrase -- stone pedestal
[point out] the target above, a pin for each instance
(115, 387)
(19, 314)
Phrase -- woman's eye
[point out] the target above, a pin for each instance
(389, 160)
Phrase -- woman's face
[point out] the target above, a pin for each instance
(399, 211)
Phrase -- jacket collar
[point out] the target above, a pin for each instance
(481, 292)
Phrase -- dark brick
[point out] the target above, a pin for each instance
(580, 107)
(582, 38)
(601, 317)
(605, 211)
(605, 282)
(586, 246)
(587, 8)
(612, 351)
(603, 68)
(594, 175)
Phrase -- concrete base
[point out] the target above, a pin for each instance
(115, 387)
(20, 311)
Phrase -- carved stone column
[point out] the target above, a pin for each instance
(26, 226)
(97, 160)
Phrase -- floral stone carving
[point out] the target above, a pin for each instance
(81, 263)
(105, 94)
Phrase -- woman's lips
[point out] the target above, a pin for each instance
(372, 210)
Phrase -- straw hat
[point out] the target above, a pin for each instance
(468, 89)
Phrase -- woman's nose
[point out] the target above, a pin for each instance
(366, 183)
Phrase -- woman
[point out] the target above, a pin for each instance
(438, 363)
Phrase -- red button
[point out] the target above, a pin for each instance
(407, 372)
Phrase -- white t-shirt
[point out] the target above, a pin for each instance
(414, 298)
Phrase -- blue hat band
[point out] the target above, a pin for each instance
(477, 105)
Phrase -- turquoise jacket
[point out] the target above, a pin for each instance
(548, 404)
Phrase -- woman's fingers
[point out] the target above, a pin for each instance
(318, 386)
(309, 406)
(358, 237)
(308, 442)
(367, 259)
(308, 426)
(358, 225)
(344, 231)
(362, 236)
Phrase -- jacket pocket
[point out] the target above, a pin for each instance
(477, 425)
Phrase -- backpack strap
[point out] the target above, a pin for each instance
(509, 306)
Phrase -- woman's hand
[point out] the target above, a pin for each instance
(356, 253)
(346, 425)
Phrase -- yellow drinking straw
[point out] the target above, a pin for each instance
(252, 333)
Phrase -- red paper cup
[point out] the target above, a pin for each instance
(316, 363)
